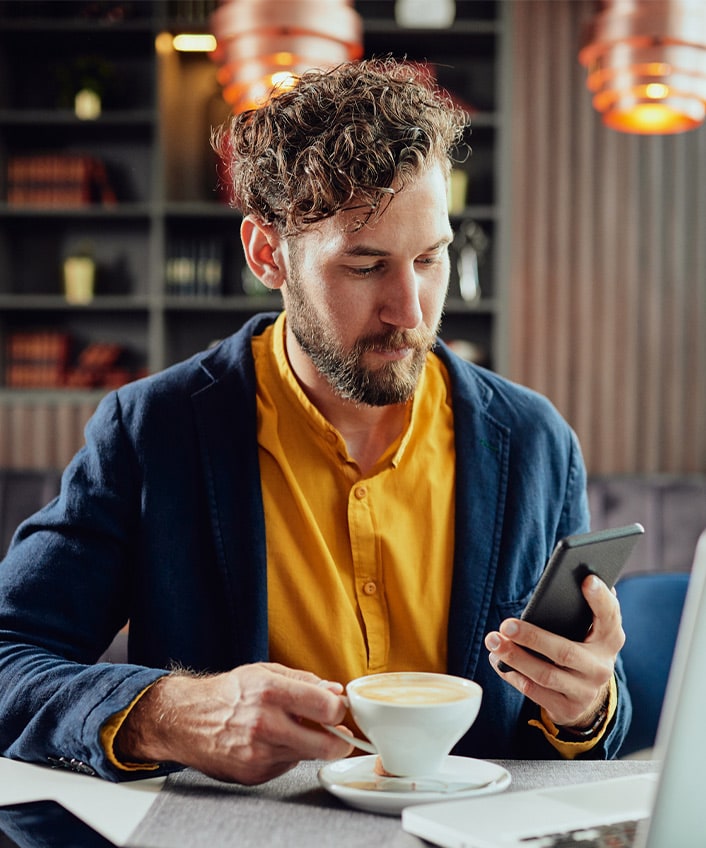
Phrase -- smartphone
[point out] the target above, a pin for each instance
(557, 603)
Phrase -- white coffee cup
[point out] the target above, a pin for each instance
(413, 719)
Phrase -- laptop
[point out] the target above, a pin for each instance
(656, 810)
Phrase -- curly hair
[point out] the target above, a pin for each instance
(339, 139)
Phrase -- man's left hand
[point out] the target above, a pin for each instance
(573, 685)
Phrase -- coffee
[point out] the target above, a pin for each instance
(416, 692)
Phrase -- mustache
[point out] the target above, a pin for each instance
(419, 340)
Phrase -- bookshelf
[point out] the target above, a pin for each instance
(169, 275)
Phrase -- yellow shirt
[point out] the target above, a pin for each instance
(359, 566)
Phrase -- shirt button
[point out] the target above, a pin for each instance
(331, 437)
(360, 492)
(370, 588)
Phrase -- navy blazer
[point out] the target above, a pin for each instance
(160, 521)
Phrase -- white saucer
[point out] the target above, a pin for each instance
(354, 782)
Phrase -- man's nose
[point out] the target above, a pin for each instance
(402, 307)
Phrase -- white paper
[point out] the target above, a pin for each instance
(112, 809)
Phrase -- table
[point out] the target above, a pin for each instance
(193, 811)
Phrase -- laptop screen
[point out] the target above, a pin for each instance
(678, 816)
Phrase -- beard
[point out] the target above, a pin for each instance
(345, 371)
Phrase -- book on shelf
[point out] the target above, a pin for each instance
(97, 366)
(36, 359)
(42, 359)
(57, 179)
(194, 267)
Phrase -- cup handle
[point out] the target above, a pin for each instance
(351, 740)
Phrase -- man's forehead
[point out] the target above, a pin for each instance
(346, 229)
(362, 223)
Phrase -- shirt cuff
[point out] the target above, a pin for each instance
(109, 731)
(571, 750)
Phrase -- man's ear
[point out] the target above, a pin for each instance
(264, 251)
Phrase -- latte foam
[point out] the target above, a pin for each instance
(412, 692)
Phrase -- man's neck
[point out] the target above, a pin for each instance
(368, 431)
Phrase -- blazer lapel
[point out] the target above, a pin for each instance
(225, 411)
(482, 455)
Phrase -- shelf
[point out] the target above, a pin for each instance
(201, 209)
(57, 303)
(10, 397)
(66, 117)
(93, 211)
(235, 303)
(91, 27)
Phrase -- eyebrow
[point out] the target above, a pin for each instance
(366, 250)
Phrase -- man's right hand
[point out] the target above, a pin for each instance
(245, 726)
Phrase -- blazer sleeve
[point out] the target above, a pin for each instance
(63, 596)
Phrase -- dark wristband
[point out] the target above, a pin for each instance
(571, 734)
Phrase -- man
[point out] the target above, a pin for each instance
(329, 492)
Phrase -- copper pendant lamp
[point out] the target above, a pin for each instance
(646, 63)
(262, 43)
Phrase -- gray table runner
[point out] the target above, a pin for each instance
(294, 810)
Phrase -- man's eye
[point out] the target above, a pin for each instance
(364, 271)
(430, 260)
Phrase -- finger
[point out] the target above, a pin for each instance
(292, 673)
(607, 620)
(300, 694)
(598, 596)
(330, 747)
(284, 737)
(565, 695)
(529, 672)
(536, 679)
(332, 686)
(503, 652)
(526, 647)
